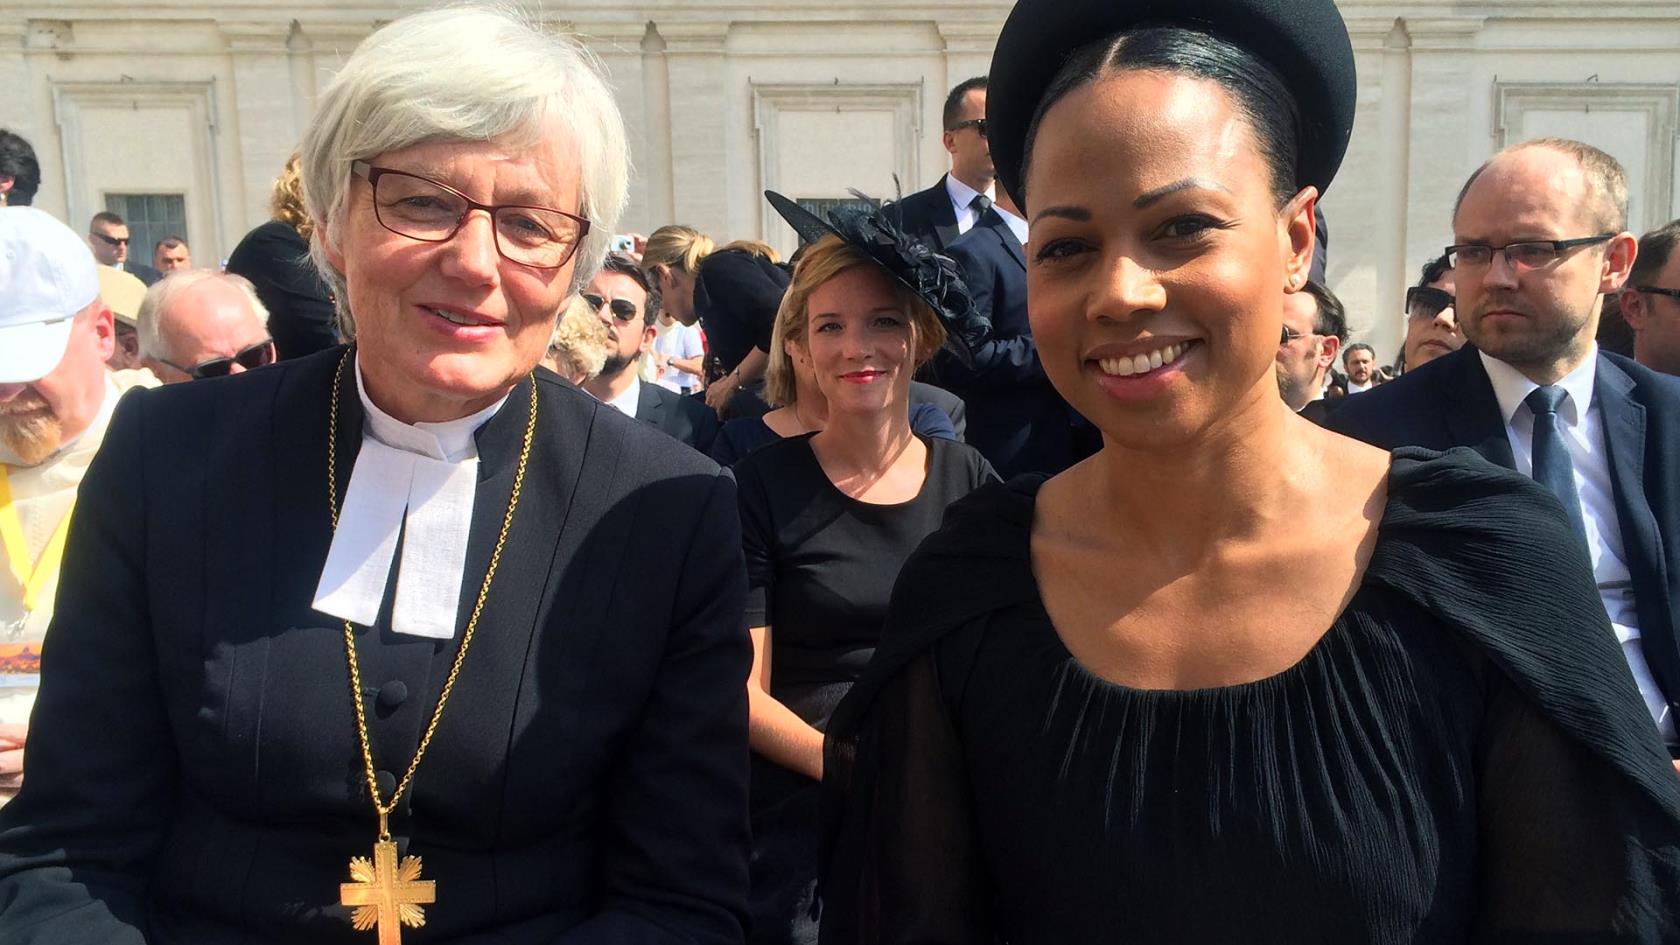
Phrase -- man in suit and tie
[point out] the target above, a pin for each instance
(953, 206)
(626, 302)
(1540, 233)
(1015, 418)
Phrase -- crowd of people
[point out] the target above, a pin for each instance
(1030, 559)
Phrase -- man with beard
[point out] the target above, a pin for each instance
(1541, 239)
(1314, 330)
(56, 398)
(623, 299)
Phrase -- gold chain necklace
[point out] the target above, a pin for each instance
(385, 892)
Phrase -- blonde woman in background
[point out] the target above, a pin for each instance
(827, 519)
(275, 257)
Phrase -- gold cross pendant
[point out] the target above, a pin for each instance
(385, 893)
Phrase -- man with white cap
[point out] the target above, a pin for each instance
(56, 397)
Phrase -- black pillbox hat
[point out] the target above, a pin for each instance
(1304, 41)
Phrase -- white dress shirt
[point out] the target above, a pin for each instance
(1017, 225)
(626, 402)
(1356, 388)
(412, 480)
(1583, 435)
(961, 196)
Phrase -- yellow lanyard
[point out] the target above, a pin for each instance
(33, 578)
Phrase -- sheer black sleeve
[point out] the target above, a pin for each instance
(906, 864)
(1571, 850)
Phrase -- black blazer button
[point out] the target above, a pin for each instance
(387, 783)
(392, 694)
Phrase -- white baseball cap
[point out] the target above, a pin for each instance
(47, 275)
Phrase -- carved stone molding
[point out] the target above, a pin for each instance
(1658, 104)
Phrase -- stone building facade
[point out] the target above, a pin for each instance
(179, 114)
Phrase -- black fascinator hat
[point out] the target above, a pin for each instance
(936, 279)
(1304, 41)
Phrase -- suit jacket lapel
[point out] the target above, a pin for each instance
(1473, 412)
(944, 215)
(650, 408)
(1624, 440)
(1016, 251)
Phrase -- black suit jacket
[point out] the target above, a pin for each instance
(1016, 419)
(928, 215)
(194, 775)
(300, 309)
(1450, 402)
(686, 419)
(143, 272)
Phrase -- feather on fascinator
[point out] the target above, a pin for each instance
(936, 279)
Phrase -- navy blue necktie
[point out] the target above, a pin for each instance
(1552, 466)
(980, 204)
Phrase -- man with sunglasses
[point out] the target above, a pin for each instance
(197, 323)
(1431, 316)
(1651, 300)
(952, 207)
(108, 238)
(56, 398)
(625, 301)
(1540, 239)
(1314, 330)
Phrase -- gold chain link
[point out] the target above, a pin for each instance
(386, 807)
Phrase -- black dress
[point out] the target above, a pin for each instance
(820, 568)
(1461, 758)
(743, 435)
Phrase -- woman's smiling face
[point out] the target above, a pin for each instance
(1159, 259)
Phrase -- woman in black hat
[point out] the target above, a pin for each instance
(1233, 679)
(828, 518)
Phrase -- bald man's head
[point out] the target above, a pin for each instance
(199, 323)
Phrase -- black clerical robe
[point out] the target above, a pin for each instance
(193, 769)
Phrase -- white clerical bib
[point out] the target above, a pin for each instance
(419, 478)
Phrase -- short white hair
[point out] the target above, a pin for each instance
(147, 323)
(464, 73)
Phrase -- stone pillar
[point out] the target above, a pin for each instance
(1388, 245)
(618, 44)
(1444, 143)
(655, 161)
(699, 101)
(265, 115)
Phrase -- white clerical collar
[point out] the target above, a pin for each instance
(416, 481)
(1511, 386)
(626, 402)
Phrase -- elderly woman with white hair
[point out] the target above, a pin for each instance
(363, 641)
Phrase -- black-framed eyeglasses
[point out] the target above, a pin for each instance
(1291, 336)
(1527, 255)
(423, 209)
(112, 240)
(249, 358)
(622, 309)
(1425, 302)
(1655, 290)
(978, 124)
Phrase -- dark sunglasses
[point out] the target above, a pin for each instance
(112, 240)
(1423, 302)
(978, 124)
(1653, 290)
(255, 356)
(622, 309)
